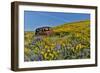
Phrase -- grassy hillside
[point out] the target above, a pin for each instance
(69, 41)
(82, 27)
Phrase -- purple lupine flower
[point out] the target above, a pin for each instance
(32, 59)
(58, 46)
(33, 43)
(38, 38)
(39, 58)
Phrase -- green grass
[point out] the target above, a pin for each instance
(69, 41)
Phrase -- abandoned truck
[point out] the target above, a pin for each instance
(43, 31)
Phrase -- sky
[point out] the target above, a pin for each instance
(36, 19)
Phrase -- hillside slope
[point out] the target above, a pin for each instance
(74, 27)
